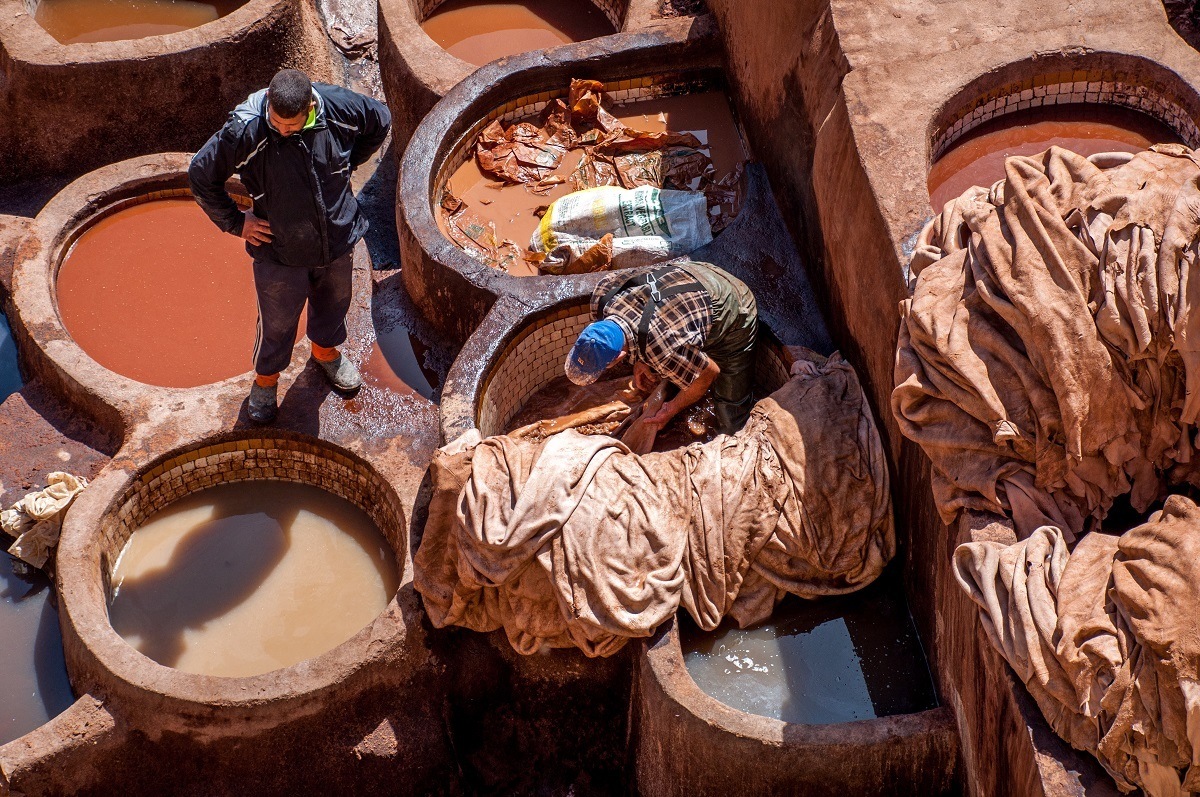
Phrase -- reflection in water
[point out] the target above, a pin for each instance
(825, 661)
(248, 577)
(33, 677)
(10, 375)
(397, 362)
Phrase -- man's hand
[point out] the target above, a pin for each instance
(644, 379)
(255, 230)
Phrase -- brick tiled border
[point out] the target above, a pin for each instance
(1067, 87)
(251, 459)
(535, 356)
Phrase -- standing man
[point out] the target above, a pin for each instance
(687, 322)
(294, 145)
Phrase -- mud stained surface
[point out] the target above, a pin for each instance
(156, 293)
(35, 687)
(512, 207)
(821, 661)
(978, 157)
(245, 578)
(79, 21)
(478, 31)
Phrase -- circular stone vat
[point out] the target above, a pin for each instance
(156, 696)
(1088, 111)
(247, 577)
(82, 21)
(152, 290)
(702, 108)
(478, 31)
(734, 752)
(165, 92)
(438, 273)
(35, 687)
(418, 71)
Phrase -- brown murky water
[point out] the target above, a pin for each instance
(978, 157)
(479, 31)
(824, 661)
(249, 577)
(34, 687)
(79, 21)
(157, 293)
(511, 207)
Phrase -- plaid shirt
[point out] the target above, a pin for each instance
(678, 331)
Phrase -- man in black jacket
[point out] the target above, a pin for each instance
(294, 145)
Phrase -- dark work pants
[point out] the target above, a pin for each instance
(282, 291)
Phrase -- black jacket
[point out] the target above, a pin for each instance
(300, 184)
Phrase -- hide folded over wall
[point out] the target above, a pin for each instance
(573, 540)
(1049, 362)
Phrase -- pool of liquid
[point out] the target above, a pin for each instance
(157, 293)
(10, 373)
(479, 31)
(80, 21)
(512, 208)
(396, 362)
(248, 577)
(816, 662)
(978, 157)
(34, 688)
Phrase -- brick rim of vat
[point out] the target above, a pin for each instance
(489, 91)
(23, 40)
(45, 244)
(101, 662)
(662, 656)
(1095, 78)
(504, 336)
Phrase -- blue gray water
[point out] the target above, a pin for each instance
(10, 375)
(815, 662)
(33, 676)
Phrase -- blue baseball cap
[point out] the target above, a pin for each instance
(598, 345)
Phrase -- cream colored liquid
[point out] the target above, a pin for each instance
(79, 21)
(248, 577)
(511, 207)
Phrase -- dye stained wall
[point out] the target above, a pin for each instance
(842, 102)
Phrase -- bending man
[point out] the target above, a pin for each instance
(690, 323)
(294, 145)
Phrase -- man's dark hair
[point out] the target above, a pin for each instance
(290, 93)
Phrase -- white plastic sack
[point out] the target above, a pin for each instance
(649, 225)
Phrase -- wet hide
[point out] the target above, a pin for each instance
(1049, 359)
(1105, 639)
(574, 540)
